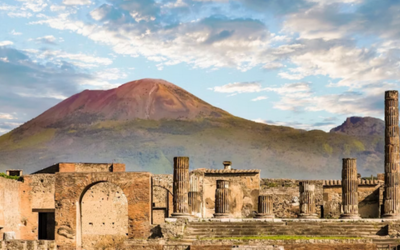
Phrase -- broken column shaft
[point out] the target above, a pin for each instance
(265, 207)
(307, 200)
(391, 197)
(349, 189)
(181, 187)
(222, 199)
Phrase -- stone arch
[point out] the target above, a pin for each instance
(102, 214)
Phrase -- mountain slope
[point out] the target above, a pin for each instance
(361, 126)
(146, 123)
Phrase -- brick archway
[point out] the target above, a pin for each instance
(103, 215)
(71, 187)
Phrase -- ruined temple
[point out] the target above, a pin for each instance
(102, 206)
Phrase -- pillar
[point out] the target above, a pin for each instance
(349, 189)
(194, 196)
(265, 207)
(222, 199)
(181, 187)
(391, 196)
(307, 200)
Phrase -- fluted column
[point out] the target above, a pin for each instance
(349, 189)
(181, 187)
(307, 201)
(265, 207)
(391, 197)
(222, 199)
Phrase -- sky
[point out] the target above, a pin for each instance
(307, 64)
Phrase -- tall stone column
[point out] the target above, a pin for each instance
(181, 187)
(307, 200)
(392, 195)
(349, 189)
(222, 199)
(265, 207)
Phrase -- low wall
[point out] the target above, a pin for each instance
(286, 195)
(28, 244)
(356, 244)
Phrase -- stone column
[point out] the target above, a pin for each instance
(222, 199)
(265, 207)
(194, 196)
(349, 189)
(181, 187)
(391, 197)
(307, 200)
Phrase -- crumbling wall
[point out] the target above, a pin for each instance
(162, 197)
(286, 196)
(368, 199)
(104, 216)
(244, 190)
(36, 194)
(9, 206)
(71, 186)
(28, 244)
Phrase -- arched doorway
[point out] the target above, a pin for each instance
(104, 216)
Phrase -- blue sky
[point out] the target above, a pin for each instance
(308, 64)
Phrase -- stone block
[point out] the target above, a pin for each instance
(9, 236)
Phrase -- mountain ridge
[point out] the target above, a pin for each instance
(178, 123)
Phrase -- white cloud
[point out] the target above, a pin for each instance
(5, 43)
(24, 14)
(238, 87)
(4, 59)
(111, 74)
(6, 116)
(56, 8)
(43, 95)
(354, 67)
(206, 43)
(13, 32)
(49, 39)
(79, 59)
(259, 98)
(325, 126)
(76, 2)
(7, 7)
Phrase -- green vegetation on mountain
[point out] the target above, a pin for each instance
(158, 121)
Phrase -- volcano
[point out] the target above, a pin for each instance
(145, 123)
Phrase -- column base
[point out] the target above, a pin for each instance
(391, 216)
(350, 216)
(221, 215)
(308, 216)
(264, 216)
(180, 215)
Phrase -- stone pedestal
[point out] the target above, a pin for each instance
(349, 189)
(9, 236)
(391, 193)
(307, 201)
(222, 199)
(265, 207)
(181, 187)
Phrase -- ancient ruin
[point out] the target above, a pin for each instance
(349, 189)
(101, 206)
(392, 160)
(222, 199)
(181, 187)
(307, 200)
(265, 207)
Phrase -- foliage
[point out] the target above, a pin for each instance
(9, 177)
